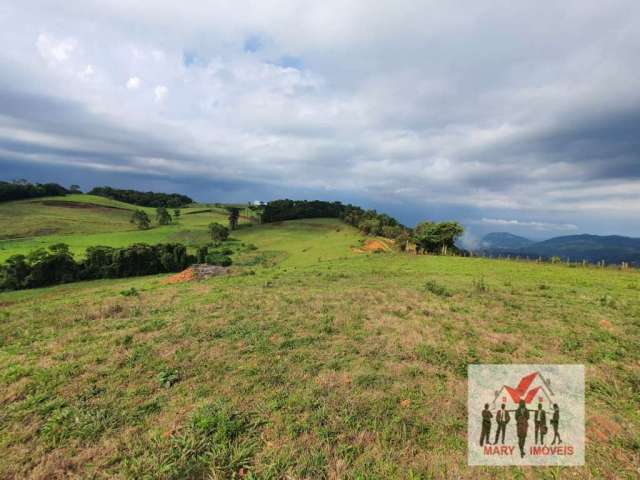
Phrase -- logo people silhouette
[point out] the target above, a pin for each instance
(540, 422)
(486, 425)
(502, 418)
(522, 425)
(555, 421)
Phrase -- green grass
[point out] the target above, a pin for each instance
(313, 362)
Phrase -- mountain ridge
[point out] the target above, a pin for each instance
(579, 247)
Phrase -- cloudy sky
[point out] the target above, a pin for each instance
(509, 116)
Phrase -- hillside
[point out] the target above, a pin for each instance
(611, 249)
(592, 248)
(310, 360)
(503, 241)
(85, 220)
(62, 215)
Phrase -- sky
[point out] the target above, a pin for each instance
(506, 116)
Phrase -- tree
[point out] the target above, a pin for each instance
(234, 215)
(219, 233)
(140, 219)
(257, 210)
(14, 273)
(162, 216)
(437, 237)
(75, 189)
(176, 213)
(403, 239)
(145, 199)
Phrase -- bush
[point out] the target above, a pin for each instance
(140, 219)
(202, 254)
(219, 233)
(218, 259)
(437, 289)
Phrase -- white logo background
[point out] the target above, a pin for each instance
(561, 384)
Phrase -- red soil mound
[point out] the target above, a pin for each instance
(196, 272)
(184, 276)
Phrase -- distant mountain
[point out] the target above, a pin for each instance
(503, 241)
(592, 248)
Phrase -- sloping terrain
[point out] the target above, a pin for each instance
(503, 241)
(82, 221)
(62, 215)
(310, 361)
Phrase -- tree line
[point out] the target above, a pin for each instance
(427, 236)
(144, 199)
(56, 265)
(21, 189)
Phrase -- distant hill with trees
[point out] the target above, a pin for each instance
(504, 241)
(431, 237)
(144, 199)
(21, 189)
(575, 248)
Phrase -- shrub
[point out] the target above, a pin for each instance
(140, 219)
(479, 285)
(437, 289)
(168, 378)
(202, 254)
(218, 259)
(219, 233)
(162, 216)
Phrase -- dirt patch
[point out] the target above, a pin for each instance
(81, 205)
(374, 245)
(196, 272)
(604, 429)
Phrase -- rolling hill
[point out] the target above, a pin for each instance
(311, 359)
(503, 241)
(81, 221)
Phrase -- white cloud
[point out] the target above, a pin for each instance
(87, 73)
(54, 50)
(389, 101)
(540, 226)
(160, 93)
(133, 83)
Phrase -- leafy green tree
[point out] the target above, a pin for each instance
(437, 237)
(14, 272)
(219, 233)
(162, 216)
(75, 189)
(140, 219)
(234, 216)
(392, 231)
(51, 267)
(176, 213)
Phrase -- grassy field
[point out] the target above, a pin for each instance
(85, 220)
(310, 361)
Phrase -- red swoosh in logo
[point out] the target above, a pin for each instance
(518, 393)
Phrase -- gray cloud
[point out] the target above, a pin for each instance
(526, 111)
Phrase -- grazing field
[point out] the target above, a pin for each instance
(85, 220)
(311, 360)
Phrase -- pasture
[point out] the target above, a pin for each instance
(310, 360)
